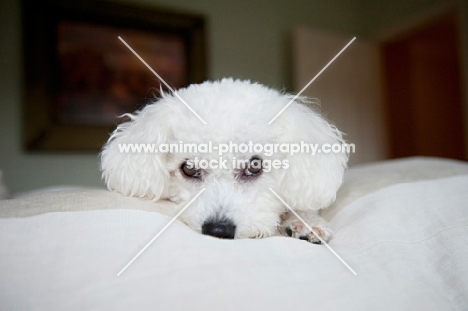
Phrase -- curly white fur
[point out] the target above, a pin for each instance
(237, 111)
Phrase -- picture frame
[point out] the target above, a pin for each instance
(79, 77)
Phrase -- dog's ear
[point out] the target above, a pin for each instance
(311, 181)
(136, 173)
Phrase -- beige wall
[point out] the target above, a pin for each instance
(349, 90)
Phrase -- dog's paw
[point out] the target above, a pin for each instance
(296, 229)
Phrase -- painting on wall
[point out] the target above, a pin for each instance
(79, 77)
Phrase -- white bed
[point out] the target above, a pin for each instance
(401, 225)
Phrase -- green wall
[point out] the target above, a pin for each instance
(246, 39)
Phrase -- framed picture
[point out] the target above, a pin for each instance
(79, 77)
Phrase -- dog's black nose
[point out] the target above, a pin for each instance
(222, 230)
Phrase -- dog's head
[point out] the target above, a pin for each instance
(236, 201)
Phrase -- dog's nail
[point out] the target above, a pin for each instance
(304, 237)
(288, 231)
(317, 242)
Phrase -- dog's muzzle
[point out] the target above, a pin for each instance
(219, 229)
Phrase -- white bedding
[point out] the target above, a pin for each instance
(406, 237)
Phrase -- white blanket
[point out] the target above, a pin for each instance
(408, 243)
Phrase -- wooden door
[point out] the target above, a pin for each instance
(423, 91)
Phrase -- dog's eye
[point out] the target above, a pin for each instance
(188, 169)
(255, 167)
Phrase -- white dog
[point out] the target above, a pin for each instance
(237, 202)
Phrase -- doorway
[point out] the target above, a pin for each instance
(423, 91)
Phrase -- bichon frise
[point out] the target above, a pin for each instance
(236, 202)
